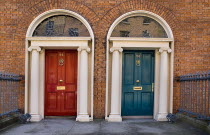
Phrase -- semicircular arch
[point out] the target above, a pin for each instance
(145, 13)
(55, 12)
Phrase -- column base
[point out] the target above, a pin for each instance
(36, 117)
(114, 118)
(83, 118)
(161, 117)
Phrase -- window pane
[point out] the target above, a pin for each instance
(61, 26)
(139, 26)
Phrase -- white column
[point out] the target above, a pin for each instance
(163, 93)
(34, 91)
(115, 115)
(83, 85)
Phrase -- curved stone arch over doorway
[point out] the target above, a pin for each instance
(164, 57)
(35, 66)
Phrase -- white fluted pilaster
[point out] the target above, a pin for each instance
(115, 89)
(163, 94)
(34, 93)
(83, 85)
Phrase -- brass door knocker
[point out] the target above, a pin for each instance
(137, 62)
(61, 62)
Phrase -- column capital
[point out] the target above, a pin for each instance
(116, 49)
(38, 49)
(161, 50)
(85, 48)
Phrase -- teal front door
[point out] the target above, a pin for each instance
(137, 83)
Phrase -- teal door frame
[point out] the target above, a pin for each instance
(137, 83)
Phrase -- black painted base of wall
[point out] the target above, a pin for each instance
(7, 121)
(201, 124)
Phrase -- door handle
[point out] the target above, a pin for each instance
(60, 80)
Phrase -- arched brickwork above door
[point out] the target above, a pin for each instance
(45, 5)
(132, 5)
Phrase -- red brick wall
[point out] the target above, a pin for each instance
(189, 20)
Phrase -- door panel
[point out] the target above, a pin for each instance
(52, 71)
(129, 68)
(146, 68)
(70, 104)
(138, 71)
(146, 101)
(60, 82)
(71, 72)
(129, 98)
(52, 100)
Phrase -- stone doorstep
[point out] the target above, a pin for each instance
(201, 124)
(5, 122)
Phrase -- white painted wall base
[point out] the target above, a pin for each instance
(83, 118)
(115, 118)
(161, 117)
(36, 117)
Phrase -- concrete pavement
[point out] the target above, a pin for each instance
(67, 126)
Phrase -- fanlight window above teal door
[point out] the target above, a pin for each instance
(61, 26)
(139, 26)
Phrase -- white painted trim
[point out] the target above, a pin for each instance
(26, 77)
(29, 38)
(156, 81)
(171, 78)
(58, 43)
(140, 44)
(58, 38)
(169, 40)
(42, 81)
(136, 39)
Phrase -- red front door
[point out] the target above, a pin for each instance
(60, 83)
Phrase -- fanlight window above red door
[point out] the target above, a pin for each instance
(61, 26)
(139, 26)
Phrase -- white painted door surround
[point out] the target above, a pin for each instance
(163, 89)
(34, 94)
(115, 93)
(83, 84)
(35, 67)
